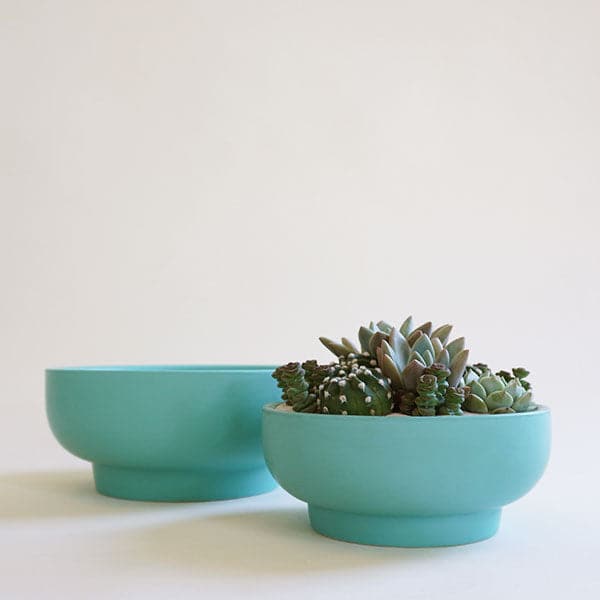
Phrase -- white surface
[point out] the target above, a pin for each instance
(225, 181)
(62, 540)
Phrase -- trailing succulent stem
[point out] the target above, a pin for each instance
(427, 399)
(435, 397)
(441, 374)
(453, 401)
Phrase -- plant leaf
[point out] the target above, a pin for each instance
(406, 327)
(383, 326)
(423, 344)
(413, 337)
(425, 327)
(442, 333)
(351, 347)
(455, 346)
(524, 403)
(499, 399)
(443, 357)
(515, 389)
(410, 376)
(457, 367)
(400, 345)
(491, 383)
(388, 368)
(478, 389)
(415, 356)
(375, 342)
(475, 404)
(364, 336)
(428, 356)
(334, 347)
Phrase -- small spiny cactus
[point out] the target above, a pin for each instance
(354, 389)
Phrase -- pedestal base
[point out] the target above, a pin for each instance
(180, 486)
(406, 531)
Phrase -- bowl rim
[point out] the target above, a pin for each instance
(153, 368)
(271, 408)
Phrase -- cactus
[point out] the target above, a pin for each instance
(354, 389)
(296, 389)
(360, 359)
(493, 394)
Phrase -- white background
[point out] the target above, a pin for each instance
(192, 182)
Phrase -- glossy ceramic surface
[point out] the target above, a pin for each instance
(406, 481)
(165, 433)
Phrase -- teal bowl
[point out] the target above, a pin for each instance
(165, 433)
(406, 481)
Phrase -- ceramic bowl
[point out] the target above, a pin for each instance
(406, 481)
(165, 433)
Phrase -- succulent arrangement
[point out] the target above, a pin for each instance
(415, 371)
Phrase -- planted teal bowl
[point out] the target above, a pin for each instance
(406, 481)
(172, 433)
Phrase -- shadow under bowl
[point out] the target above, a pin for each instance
(406, 481)
(165, 433)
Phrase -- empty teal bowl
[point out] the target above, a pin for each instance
(406, 481)
(165, 433)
